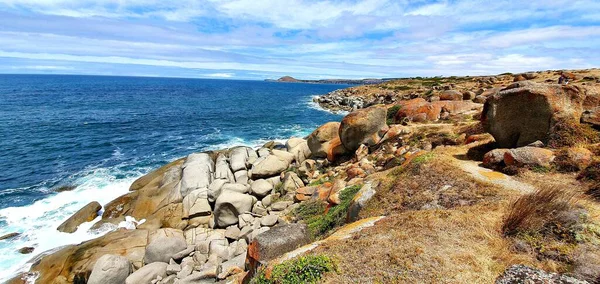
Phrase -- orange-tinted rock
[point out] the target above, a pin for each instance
(451, 95)
(528, 156)
(74, 263)
(494, 159)
(477, 138)
(580, 156)
(307, 190)
(457, 107)
(323, 191)
(365, 126)
(334, 196)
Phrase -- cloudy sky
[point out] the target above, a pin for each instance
(257, 39)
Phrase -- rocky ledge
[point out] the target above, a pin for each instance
(233, 215)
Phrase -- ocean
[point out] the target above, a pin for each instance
(100, 133)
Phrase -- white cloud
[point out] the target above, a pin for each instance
(220, 75)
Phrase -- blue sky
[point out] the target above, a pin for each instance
(256, 39)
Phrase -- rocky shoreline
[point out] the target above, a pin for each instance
(233, 215)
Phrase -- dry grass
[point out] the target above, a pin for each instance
(533, 212)
(427, 246)
(436, 183)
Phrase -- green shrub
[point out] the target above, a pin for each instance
(391, 114)
(309, 209)
(321, 224)
(305, 269)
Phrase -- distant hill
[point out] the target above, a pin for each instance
(290, 79)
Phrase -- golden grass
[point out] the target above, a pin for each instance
(532, 212)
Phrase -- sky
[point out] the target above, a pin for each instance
(259, 39)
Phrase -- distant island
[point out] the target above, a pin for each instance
(289, 79)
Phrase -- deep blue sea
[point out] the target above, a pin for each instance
(101, 133)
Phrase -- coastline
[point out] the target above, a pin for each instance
(222, 209)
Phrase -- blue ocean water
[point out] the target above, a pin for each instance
(101, 133)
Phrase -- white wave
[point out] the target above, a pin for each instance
(37, 222)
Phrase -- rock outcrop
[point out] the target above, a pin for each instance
(526, 112)
(88, 213)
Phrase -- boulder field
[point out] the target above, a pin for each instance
(222, 215)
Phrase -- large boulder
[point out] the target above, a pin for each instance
(365, 126)
(526, 112)
(197, 173)
(230, 205)
(272, 165)
(162, 248)
(324, 140)
(148, 273)
(77, 261)
(277, 241)
(261, 187)
(110, 269)
(85, 214)
(237, 158)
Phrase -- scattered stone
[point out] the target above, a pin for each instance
(494, 159)
(233, 266)
(269, 220)
(524, 274)
(232, 232)
(9, 236)
(281, 205)
(235, 187)
(88, 213)
(26, 250)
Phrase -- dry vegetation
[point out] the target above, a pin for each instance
(445, 227)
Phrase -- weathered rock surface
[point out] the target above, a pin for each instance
(525, 112)
(365, 126)
(110, 269)
(272, 165)
(197, 173)
(325, 142)
(77, 261)
(148, 273)
(277, 241)
(230, 205)
(162, 249)
(85, 214)
(528, 156)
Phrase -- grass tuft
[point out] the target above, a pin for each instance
(536, 211)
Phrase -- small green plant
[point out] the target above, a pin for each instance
(391, 114)
(309, 209)
(541, 169)
(422, 159)
(319, 181)
(305, 269)
(279, 189)
(321, 224)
